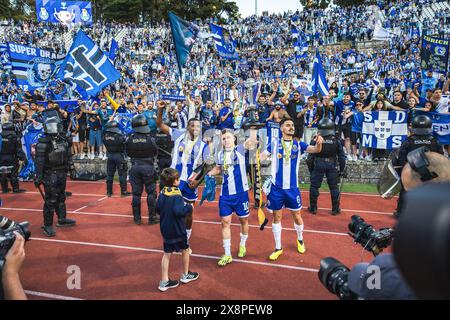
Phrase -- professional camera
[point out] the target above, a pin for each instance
(334, 276)
(7, 236)
(372, 240)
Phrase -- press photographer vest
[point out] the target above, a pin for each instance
(114, 142)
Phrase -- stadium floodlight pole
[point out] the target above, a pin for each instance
(256, 7)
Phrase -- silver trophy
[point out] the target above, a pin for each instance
(252, 118)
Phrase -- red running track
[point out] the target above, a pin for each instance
(119, 260)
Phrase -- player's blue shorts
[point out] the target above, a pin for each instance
(279, 198)
(187, 193)
(237, 203)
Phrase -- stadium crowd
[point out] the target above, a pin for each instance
(273, 50)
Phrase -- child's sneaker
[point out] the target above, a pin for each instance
(166, 285)
(189, 277)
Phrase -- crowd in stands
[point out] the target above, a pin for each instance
(272, 50)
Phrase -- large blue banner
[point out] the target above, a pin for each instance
(64, 12)
(226, 46)
(441, 126)
(30, 137)
(86, 67)
(435, 54)
(32, 67)
(384, 129)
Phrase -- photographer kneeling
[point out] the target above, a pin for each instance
(398, 276)
(11, 260)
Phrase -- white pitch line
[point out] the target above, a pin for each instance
(79, 209)
(50, 295)
(196, 221)
(100, 200)
(102, 245)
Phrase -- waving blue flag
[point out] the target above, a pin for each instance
(113, 50)
(30, 137)
(441, 126)
(319, 79)
(184, 35)
(87, 68)
(226, 46)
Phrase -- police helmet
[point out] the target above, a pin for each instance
(139, 124)
(8, 126)
(326, 127)
(113, 127)
(52, 126)
(422, 125)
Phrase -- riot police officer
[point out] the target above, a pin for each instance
(114, 142)
(10, 155)
(165, 147)
(324, 163)
(53, 160)
(421, 136)
(141, 148)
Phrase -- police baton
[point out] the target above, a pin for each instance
(344, 173)
(41, 192)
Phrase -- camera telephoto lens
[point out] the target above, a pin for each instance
(334, 276)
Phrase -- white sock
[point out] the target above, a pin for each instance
(299, 229)
(276, 229)
(244, 238)
(189, 232)
(227, 246)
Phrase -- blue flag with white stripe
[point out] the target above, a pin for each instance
(384, 129)
(87, 68)
(32, 67)
(4, 56)
(113, 50)
(441, 126)
(319, 79)
(225, 44)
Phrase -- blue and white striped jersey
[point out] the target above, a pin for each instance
(234, 171)
(187, 154)
(285, 156)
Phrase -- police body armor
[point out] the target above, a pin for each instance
(165, 145)
(141, 146)
(417, 142)
(114, 142)
(329, 149)
(9, 142)
(57, 155)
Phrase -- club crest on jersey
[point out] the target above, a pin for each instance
(181, 149)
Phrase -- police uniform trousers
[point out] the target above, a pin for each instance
(143, 173)
(324, 167)
(116, 161)
(8, 160)
(55, 195)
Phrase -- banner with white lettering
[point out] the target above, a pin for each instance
(32, 67)
(384, 129)
(441, 126)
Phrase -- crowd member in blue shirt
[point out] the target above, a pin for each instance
(207, 116)
(226, 120)
(344, 123)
